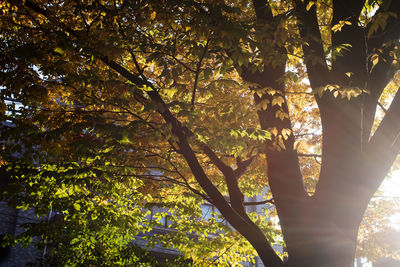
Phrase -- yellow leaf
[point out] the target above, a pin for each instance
(286, 133)
(271, 91)
(274, 131)
(337, 27)
(59, 50)
(281, 115)
(309, 5)
(375, 60)
(265, 104)
(278, 101)
(336, 93)
(77, 206)
(153, 15)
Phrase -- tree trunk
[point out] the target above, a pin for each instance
(324, 245)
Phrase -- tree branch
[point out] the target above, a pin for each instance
(383, 148)
(246, 227)
(386, 134)
(214, 158)
(235, 194)
(377, 81)
(254, 203)
(242, 166)
(392, 30)
(249, 230)
(380, 74)
(312, 47)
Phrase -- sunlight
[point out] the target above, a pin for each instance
(390, 188)
(391, 185)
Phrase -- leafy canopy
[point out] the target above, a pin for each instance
(96, 96)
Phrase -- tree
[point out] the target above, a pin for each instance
(212, 94)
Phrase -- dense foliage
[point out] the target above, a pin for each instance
(112, 109)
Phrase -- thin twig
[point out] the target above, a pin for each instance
(254, 203)
(382, 107)
(309, 155)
